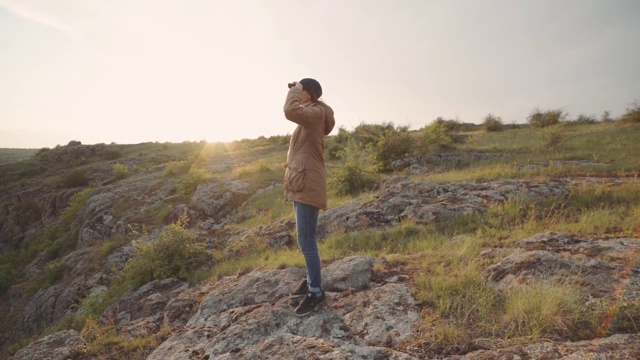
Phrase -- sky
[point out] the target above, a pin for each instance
(133, 71)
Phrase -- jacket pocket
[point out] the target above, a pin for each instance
(294, 178)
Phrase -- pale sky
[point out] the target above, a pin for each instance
(132, 71)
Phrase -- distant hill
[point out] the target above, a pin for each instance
(13, 155)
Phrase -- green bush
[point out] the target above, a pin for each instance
(585, 119)
(176, 253)
(121, 171)
(279, 140)
(77, 201)
(492, 123)
(433, 137)
(175, 168)
(76, 178)
(334, 151)
(368, 134)
(111, 154)
(632, 115)
(355, 174)
(541, 119)
(393, 144)
(343, 136)
(448, 125)
(188, 183)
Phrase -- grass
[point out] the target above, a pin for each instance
(263, 208)
(105, 342)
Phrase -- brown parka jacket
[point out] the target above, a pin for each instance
(305, 177)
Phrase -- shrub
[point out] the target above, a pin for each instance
(111, 154)
(586, 119)
(176, 253)
(188, 183)
(343, 136)
(335, 151)
(393, 144)
(356, 173)
(121, 171)
(553, 136)
(606, 116)
(448, 125)
(492, 123)
(540, 119)
(279, 139)
(632, 115)
(76, 178)
(433, 137)
(77, 201)
(367, 134)
(177, 168)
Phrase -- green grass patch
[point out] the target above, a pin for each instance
(263, 208)
(111, 244)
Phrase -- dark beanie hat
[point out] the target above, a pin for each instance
(312, 86)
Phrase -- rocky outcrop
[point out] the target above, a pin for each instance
(441, 159)
(601, 267)
(428, 203)
(616, 347)
(251, 316)
(52, 303)
(143, 311)
(63, 345)
(216, 198)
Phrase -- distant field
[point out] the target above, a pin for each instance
(12, 155)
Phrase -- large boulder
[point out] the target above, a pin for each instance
(217, 198)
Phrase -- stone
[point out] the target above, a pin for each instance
(63, 345)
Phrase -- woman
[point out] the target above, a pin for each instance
(305, 179)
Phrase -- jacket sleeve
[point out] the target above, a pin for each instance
(306, 116)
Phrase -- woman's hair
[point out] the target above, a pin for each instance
(313, 87)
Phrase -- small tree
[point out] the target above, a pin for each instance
(367, 134)
(586, 119)
(393, 144)
(492, 123)
(448, 125)
(176, 253)
(120, 170)
(540, 119)
(433, 137)
(356, 174)
(76, 178)
(632, 115)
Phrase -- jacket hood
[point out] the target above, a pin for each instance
(329, 120)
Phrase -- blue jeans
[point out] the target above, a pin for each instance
(306, 221)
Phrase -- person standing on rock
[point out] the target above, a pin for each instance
(305, 180)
